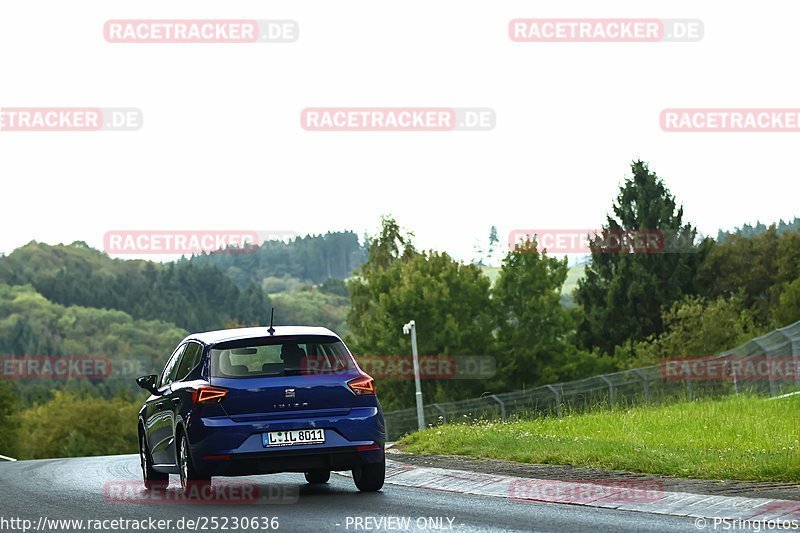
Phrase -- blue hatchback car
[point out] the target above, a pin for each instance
(250, 401)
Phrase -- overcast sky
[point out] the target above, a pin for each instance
(222, 147)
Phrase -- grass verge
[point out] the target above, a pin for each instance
(741, 437)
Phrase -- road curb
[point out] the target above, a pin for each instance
(614, 496)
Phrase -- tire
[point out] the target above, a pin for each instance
(191, 481)
(318, 476)
(150, 477)
(369, 476)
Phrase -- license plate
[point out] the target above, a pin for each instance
(294, 437)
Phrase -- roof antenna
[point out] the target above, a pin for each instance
(271, 330)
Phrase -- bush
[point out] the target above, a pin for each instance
(284, 284)
(73, 426)
(695, 327)
(7, 419)
(788, 309)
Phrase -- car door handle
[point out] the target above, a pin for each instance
(176, 401)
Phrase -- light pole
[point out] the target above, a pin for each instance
(411, 327)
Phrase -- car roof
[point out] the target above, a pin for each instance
(221, 335)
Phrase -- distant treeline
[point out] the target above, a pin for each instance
(313, 258)
(749, 231)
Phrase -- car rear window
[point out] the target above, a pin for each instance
(280, 356)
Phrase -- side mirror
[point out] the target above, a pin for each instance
(148, 383)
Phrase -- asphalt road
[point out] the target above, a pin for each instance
(90, 489)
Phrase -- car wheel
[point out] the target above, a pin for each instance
(151, 478)
(369, 476)
(318, 476)
(190, 479)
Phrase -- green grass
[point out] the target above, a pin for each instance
(573, 275)
(491, 273)
(746, 438)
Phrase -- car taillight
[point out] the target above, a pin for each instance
(363, 386)
(209, 394)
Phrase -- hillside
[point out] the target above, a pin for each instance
(192, 296)
(33, 326)
(312, 258)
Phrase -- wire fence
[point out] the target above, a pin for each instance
(769, 364)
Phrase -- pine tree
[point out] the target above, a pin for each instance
(624, 291)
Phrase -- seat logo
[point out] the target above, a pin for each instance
(290, 393)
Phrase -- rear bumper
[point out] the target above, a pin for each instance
(272, 462)
(221, 446)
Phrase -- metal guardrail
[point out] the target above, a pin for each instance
(651, 384)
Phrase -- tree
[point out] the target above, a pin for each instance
(8, 404)
(533, 329)
(311, 307)
(486, 256)
(762, 268)
(746, 265)
(696, 327)
(787, 310)
(749, 231)
(494, 240)
(786, 292)
(448, 300)
(335, 286)
(390, 246)
(625, 290)
(70, 426)
(311, 258)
